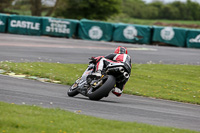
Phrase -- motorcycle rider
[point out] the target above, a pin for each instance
(120, 55)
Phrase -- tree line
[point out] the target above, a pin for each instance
(176, 10)
(103, 9)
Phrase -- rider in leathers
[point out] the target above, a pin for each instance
(120, 55)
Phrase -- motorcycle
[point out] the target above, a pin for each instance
(95, 87)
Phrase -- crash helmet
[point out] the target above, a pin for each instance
(121, 50)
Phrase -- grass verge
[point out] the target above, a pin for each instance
(34, 119)
(171, 82)
(125, 19)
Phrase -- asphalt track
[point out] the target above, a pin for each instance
(126, 108)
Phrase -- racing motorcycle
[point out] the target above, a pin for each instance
(95, 87)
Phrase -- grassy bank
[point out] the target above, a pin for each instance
(172, 82)
(149, 21)
(175, 23)
(33, 119)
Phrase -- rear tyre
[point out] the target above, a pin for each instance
(104, 90)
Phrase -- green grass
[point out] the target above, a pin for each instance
(125, 19)
(19, 12)
(34, 119)
(171, 82)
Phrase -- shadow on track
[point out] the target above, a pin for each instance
(100, 101)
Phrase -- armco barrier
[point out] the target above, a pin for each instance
(193, 39)
(132, 33)
(25, 25)
(3, 22)
(170, 35)
(59, 27)
(95, 30)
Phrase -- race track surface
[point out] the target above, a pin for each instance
(48, 49)
(125, 108)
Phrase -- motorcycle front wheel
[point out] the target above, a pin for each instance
(72, 91)
(104, 90)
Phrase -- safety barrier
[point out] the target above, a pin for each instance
(3, 22)
(132, 33)
(193, 39)
(95, 30)
(99, 31)
(170, 35)
(25, 25)
(59, 27)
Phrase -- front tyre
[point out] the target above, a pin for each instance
(73, 90)
(104, 90)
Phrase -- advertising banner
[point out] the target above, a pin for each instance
(95, 30)
(25, 25)
(3, 22)
(170, 35)
(193, 39)
(132, 33)
(59, 27)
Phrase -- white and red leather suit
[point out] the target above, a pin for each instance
(103, 61)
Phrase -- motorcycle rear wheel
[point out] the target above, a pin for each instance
(104, 90)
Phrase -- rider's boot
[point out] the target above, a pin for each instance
(117, 91)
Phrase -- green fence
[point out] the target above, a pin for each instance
(95, 30)
(170, 35)
(59, 27)
(25, 25)
(98, 30)
(193, 39)
(132, 33)
(3, 22)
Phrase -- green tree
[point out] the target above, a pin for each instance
(182, 10)
(36, 7)
(151, 12)
(139, 9)
(90, 9)
(134, 8)
(157, 6)
(169, 12)
(193, 10)
(158, 10)
(5, 4)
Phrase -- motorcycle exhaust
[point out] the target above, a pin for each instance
(121, 69)
(126, 75)
(116, 70)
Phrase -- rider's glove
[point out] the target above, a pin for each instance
(93, 60)
(96, 59)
